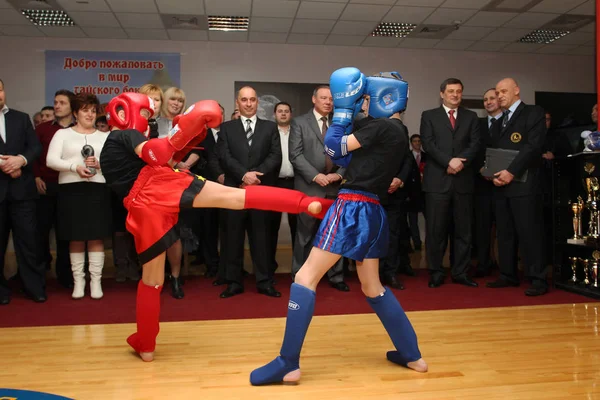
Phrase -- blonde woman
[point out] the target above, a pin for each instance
(173, 105)
(83, 200)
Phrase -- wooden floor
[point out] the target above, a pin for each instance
(541, 352)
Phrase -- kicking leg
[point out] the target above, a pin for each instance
(266, 198)
(286, 367)
(148, 308)
(392, 316)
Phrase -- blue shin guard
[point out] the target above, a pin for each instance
(300, 311)
(398, 326)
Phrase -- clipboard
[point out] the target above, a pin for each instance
(497, 160)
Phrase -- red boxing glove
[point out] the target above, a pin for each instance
(157, 152)
(193, 122)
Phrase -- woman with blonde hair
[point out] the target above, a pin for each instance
(83, 196)
(173, 105)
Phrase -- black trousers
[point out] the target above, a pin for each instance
(397, 257)
(413, 222)
(286, 183)
(485, 211)
(236, 224)
(520, 220)
(47, 218)
(19, 217)
(445, 213)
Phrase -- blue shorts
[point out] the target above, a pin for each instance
(355, 227)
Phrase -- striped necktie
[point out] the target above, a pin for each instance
(249, 132)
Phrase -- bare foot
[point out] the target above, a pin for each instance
(315, 207)
(292, 378)
(420, 365)
(147, 357)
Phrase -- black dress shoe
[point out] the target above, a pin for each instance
(465, 281)
(38, 298)
(500, 283)
(435, 282)
(4, 300)
(176, 289)
(392, 282)
(232, 290)
(536, 291)
(341, 286)
(269, 291)
(219, 282)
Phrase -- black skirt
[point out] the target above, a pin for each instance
(84, 211)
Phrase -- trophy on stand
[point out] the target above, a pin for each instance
(573, 279)
(592, 187)
(586, 280)
(577, 209)
(88, 151)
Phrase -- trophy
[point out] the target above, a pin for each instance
(586, 280)
(573, 279)
(88, 151)
(594, 269)
(577, 209)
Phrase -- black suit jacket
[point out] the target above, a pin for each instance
(208, 165)
(525, 132)
(442, 143)
(236, 157)
(483, 185)
(20, 139)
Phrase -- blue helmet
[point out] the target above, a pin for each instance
(388, 93)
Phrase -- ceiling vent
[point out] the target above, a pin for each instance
(432, 31)
(191, 22)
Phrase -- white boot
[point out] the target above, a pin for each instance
(96, 264)
(77, 264)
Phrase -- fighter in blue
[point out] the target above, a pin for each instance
(355, 226)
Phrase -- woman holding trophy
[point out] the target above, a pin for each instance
(84, 212)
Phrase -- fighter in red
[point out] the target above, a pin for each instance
(139, 171)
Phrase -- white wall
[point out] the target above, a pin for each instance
(209, 69)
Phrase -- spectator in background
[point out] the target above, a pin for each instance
(416, 201)
(173, 105)
(47, 114)
(46, 181)
(102, 124)
(235, 114)
(157, 96)
(83, 196)
(37, 119)
(19, 148)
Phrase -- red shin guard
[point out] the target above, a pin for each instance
(271, 198)
(147, 316)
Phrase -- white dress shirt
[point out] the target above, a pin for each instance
(511, 109)
(3, 123)
(448, 111)
(287, 170)
(252, 122)
(215, 132)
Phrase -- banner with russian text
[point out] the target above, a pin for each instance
(107, 74)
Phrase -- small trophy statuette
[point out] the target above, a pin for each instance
(573, 279)
(88, 151)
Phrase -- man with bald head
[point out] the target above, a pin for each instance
(518, 193)
(249, 151)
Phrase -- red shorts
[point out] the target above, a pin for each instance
(153, 206)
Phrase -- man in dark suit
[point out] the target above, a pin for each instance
(484, 188)
(518, 190)
(395, 202)
(19, 148)
(450, 135)
(249, 151)
(416, 203)
(205, 221)
(315, 175)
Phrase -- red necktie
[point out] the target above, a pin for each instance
(452, 119)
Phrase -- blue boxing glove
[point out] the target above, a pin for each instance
(344, 161)
(388, 94)
(347, 89)
(335, 142)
